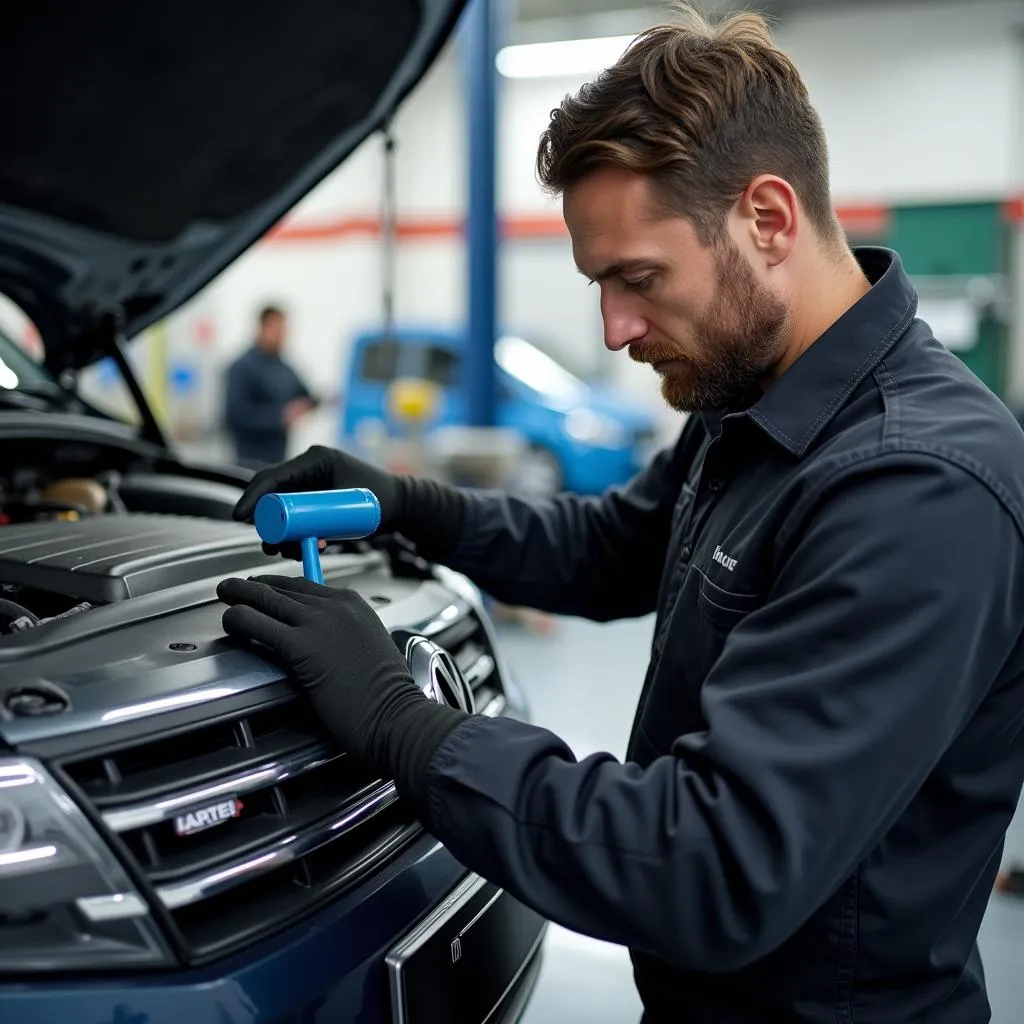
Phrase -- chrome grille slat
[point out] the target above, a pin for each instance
(481, 669)
(142, 815)
(282, 851)
(495, 707)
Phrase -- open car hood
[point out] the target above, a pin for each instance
(147, 145)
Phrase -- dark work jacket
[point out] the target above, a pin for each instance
(259, 386)
(828, 747)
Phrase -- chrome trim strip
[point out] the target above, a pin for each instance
(431, 924)
(429, 927)
(99, 693)
(394, 961)
(174, 702)
(448, 616)
(118, 907)
(282, 851)
(487, 906)
(152, 812)
(480, 669)
(495, 707)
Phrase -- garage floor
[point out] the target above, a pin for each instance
(582, 681)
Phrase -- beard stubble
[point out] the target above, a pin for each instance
(736, 343)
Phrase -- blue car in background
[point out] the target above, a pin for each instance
(581, 437)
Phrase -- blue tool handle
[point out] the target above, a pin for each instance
(311, 567)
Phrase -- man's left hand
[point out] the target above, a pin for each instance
(333, 644)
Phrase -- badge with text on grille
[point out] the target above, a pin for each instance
(202, 818)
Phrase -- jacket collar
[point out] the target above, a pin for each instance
(801, 403)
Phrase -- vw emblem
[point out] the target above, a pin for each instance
(436, 674)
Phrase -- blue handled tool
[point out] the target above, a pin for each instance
(307, 516)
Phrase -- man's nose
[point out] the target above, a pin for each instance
(622, 324)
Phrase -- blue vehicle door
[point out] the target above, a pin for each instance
(442, 365)
(373, 367)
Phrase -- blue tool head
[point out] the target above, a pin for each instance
(347, 514)
(306, 516)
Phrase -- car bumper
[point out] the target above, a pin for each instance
(329, 969)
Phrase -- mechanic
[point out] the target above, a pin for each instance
(827, 751)
(264, 396)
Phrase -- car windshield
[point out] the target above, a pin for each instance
(536, 369)
(17, 369)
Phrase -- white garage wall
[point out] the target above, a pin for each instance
(921, 101)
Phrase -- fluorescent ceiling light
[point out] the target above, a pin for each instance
(568, 57)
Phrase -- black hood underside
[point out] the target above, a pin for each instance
(147, 145)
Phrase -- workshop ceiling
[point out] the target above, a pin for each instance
(542, 20)
(531, 10)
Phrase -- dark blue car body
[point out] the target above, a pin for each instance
(328, 970)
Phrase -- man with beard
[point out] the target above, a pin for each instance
(826, 753)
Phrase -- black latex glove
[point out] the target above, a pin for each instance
(333, 645)
(428, 513)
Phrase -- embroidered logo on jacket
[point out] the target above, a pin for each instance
(723, 559)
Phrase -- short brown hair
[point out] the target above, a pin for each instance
(270, 311)
(703, 108)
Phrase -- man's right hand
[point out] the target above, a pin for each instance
(322, 469)
(295, 410)
(428, 513)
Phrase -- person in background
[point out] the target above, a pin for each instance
(265, 396)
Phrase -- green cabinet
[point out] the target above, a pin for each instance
(958, 254)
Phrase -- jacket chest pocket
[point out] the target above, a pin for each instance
(719, 612)
(691, 639)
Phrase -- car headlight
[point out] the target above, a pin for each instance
(588, 427)
(65, 901)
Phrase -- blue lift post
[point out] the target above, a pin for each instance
(481, 38)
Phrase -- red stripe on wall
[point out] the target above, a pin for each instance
(540, 226)
(861, 220)
(864, 221)
(1013, 210)
(332, 229)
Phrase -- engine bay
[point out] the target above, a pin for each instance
(78, 518)
(52, 479)
(84, 525)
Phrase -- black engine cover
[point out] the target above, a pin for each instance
(116, 557)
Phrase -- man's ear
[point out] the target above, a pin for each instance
(770, 215)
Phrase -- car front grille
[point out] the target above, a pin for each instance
(246, 823)
(294, 822)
